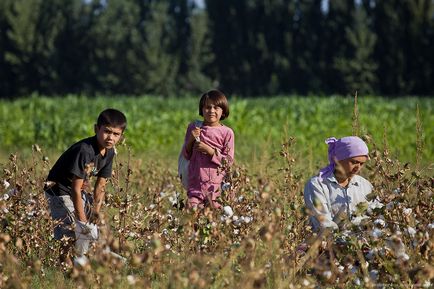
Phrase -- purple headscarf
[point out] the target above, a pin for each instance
(340, 149)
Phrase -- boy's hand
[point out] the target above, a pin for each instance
(94, 217)
(204, 148)
(86, 229)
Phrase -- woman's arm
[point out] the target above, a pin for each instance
(318, 209)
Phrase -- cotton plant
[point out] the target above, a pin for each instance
(373, 231)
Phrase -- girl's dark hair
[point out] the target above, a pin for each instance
(217, 98)
(112, 117)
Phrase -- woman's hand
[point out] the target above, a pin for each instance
(204, 148)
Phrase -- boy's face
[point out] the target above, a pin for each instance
(352, 166)
(108, 136)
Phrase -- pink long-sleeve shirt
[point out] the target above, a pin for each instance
(203, 175)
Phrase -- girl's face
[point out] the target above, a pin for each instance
(211, 113)
(352, 166)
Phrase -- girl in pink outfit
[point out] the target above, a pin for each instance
(208, 147)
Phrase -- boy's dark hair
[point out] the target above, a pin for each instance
(217, 98)
(112, 117)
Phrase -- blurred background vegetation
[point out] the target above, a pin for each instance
(252, 48)
(156, 126)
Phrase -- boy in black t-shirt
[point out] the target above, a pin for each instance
(67, 181)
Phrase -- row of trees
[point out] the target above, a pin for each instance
(248, 47)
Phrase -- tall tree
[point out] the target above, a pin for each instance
(7, 78)
(308, 50)
(191, 45)
(338, 18)
(114, 64)
(200, 56)
(251, 41)
(389, 52)
(357, 70)
(419, 23)
(161, 64)
(74, 45)
(34, 27)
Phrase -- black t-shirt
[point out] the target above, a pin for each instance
(82, 159)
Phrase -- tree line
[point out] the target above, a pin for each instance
(244, 47)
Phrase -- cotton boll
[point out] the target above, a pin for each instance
(390, 205)
(404, 257)
(247, 219)
(6, 184)
(374, 274)
(354, 269)
(357, 220)
(228, 211)
(238, 221)
(327, 274)
(131, 280)
(11, 192)
(379, 223)
(397, 191)
(376, 233)
(375, 204)
(397, 246)
(411, 231)
(371, 254)
(226, 186)
(407, 211)
(173, 200)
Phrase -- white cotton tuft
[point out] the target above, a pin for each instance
(228, 211)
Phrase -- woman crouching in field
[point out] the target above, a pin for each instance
(335, 192)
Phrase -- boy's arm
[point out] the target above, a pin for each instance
(98, 195)
(76, 185)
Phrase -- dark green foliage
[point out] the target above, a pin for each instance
(404, 47)
(255, 47)
(356, 69)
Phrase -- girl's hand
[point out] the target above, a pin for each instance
(204, 148)
(195, 133)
